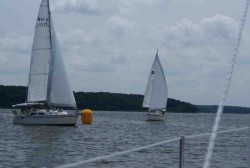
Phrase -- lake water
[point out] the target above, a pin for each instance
(50, 146)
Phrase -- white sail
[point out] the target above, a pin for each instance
(40, 56)
(156, 94)
(148, 92)
(48, 80)
(60, 92)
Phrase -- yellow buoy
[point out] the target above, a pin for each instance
(86, 116)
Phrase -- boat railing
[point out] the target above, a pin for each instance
(181, 139)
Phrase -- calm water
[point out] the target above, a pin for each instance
(49, 146)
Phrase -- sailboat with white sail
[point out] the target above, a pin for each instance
(156, 94)
(49, 91)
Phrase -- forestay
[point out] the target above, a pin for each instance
(156, 92)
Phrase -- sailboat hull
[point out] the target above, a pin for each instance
(155, 116)
(59, 120)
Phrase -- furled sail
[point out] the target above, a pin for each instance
(48, 80)
(156, 94)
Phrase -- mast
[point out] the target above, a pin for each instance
(153, 71)
(51, 58)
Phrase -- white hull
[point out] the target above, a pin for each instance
(155, 116)
(62, 120)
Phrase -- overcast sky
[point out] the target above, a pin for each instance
(109, 45)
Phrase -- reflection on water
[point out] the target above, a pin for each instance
(48, 146)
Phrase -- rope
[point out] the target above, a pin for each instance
(219, 132)
(228, 81)
(143, 147)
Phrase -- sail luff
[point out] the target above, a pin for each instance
(51, 59)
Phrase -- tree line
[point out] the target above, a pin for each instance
(10, 95)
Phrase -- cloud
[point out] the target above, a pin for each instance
(97, 47)
(206, 45)
(98, 7)
(121, 22)
(120, 25)
(89, 7)
(91, 52)
(15, 42)
(217, 30)
(15, 49)
(198, 56)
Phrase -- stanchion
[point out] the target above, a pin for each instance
(182, 146)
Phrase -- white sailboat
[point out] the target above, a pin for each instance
(49, 90)
(156, 93)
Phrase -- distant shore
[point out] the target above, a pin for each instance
(105, 101)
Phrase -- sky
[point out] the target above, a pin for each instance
(109, 45)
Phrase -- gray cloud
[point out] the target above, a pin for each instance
(216, 30)
(97, 7)
(14, 42)
(205, 45)
(15, 58)
(89, 7)
(119, 26)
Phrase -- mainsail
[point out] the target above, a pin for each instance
(40, 56)
(48, 80)
(156, 94)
